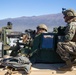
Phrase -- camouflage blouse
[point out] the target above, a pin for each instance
(70, 31)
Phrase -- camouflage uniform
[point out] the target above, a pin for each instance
(67, 48)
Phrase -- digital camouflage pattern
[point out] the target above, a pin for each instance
(70, 31)
(65, 48)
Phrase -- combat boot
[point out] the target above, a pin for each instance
(67, 67)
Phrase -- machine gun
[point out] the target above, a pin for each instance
(31, 33)
(19, 46)
(15, 49)
(60, 30)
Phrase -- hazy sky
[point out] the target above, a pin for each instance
(18, 8)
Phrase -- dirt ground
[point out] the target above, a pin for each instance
(42, 69)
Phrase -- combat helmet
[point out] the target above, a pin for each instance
(9, 25)
(68, 12)
(42, 26)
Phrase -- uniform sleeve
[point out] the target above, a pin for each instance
(70, 32)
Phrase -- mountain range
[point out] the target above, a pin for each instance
(25, 22)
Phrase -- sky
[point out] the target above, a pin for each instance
(19, 8)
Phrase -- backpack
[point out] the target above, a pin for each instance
(20, 62)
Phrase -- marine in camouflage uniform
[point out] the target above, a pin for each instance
(67, 48)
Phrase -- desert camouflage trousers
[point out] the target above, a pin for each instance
(66, 50)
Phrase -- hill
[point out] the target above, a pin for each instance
(22, 23)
